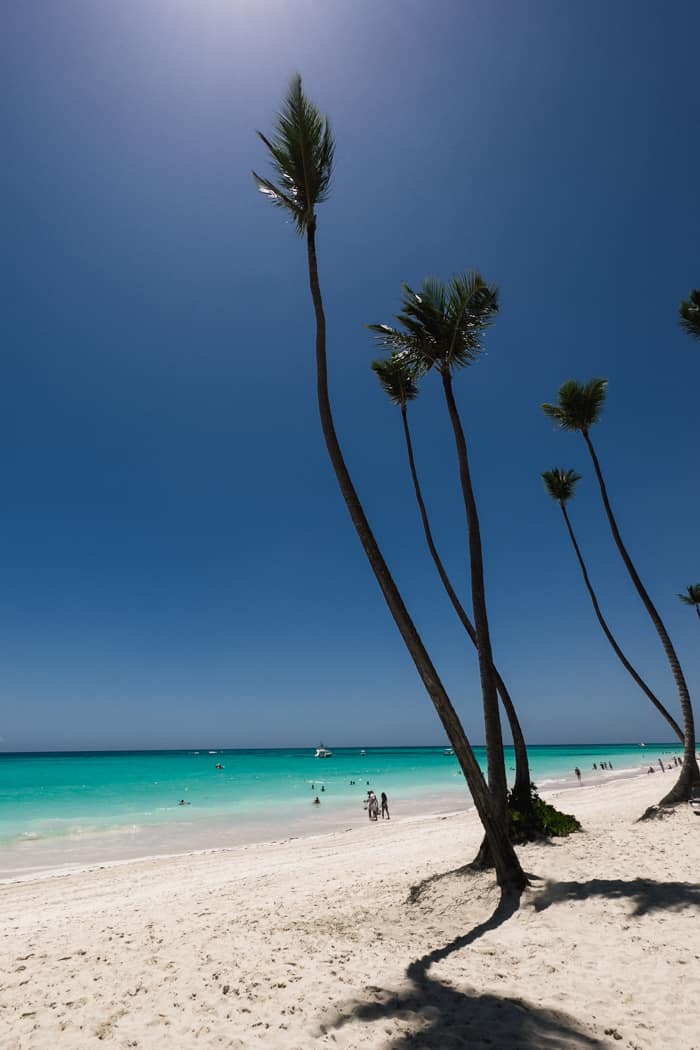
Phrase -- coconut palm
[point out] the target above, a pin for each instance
(689, 314)
(301, 151)
(441, 328)
(560, 485)
(397, 378)
(692, 596)
(578, 409)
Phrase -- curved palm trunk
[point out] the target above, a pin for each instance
(608, 634)
(522, 765)
(690, 775)
(492, 722)
(509, 873)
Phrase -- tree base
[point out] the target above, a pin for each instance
(531, 820)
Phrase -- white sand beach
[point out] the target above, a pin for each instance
(312, 942)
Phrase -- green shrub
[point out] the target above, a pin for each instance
(537, 819)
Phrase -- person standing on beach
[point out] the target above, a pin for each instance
(385, 807)
(577, 771)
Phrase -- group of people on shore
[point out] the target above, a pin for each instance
(675, 761)
(374, 806)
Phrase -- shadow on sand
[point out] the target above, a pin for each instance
(439, 1017)
(648, 895)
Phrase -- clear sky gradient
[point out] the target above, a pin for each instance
(177, 567)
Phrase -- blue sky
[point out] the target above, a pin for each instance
(177, 565)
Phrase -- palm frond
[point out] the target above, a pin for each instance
(689, 314)
(301, 153)
(560, 484)
(579, 404)
(441, 325)
(692, 595)
(397, 378)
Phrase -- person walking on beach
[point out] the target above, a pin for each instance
(372, 806)
(385, 807)
(577, 771)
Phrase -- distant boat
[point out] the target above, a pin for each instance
(323, 752)
(448, 751)
(363, 752)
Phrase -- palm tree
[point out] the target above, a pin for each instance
(441, 327)
(689, 314)
(692, 596)
(560, 485)
(301, 151)
(398, 381)
(578, 409)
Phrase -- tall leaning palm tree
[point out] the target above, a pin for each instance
(440, 328)
(560, 485)
(301, 151)
(692, 596)
(689, 314)
(579, 408)
(397, 379)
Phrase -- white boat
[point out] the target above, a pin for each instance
(323, 752)
(448, 751)
(363, 752)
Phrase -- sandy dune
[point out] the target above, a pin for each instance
(312, 942)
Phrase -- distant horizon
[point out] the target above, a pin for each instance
(338, 747)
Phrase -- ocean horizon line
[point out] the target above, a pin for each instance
(304, 747)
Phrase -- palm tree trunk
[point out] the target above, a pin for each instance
(521, 787)
(690, 775)
(492, 722)
(608, 634)
(509, 873)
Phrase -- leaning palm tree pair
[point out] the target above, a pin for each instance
(397, 376)
(578, 409)
(301, 152)
(560, 485)
(440, 328)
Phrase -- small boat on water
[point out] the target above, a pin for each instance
(448, 751)
(323, 752)
(363, 752)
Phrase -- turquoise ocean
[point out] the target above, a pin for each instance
(74, 808)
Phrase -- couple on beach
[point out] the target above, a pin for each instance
(372, 806)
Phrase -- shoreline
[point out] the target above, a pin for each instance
(419, 809)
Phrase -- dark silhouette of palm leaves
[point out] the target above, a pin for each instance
(301, 151)
(397, 378)
(560, 484)
(689, 314)
(579, 404)
(692, 595)
(442, 324)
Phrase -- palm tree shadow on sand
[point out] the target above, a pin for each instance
(647, 894)
(440, 1017)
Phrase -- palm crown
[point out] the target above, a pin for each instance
(301, 151)
(689, 314)
(579, 404)
(441, 325)
(396, 376)
(560, 484)
(692, 595)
